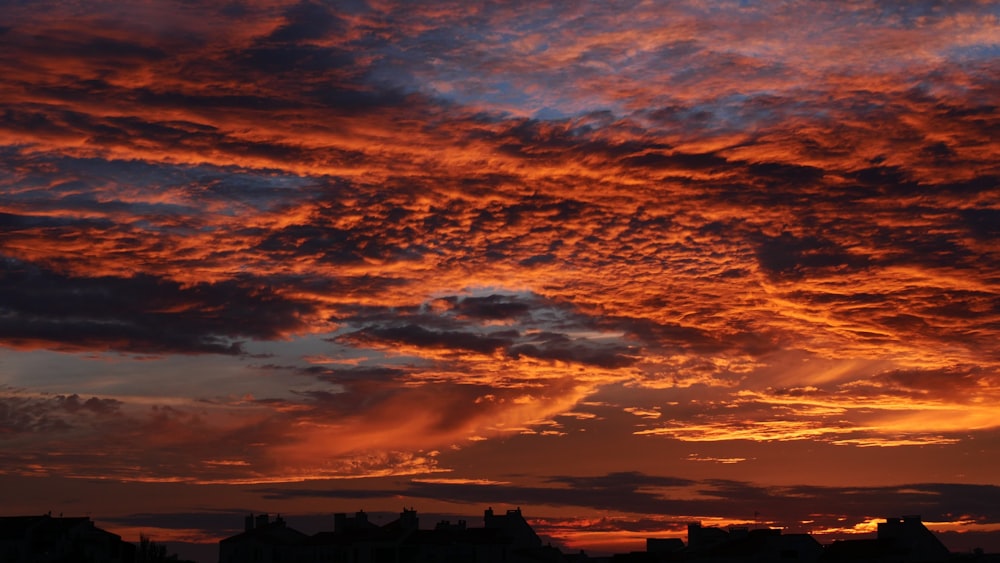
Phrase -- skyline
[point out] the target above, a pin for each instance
(633, 264)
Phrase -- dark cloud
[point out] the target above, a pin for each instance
(21, 414)
(783, 175)
(669, 335)
(206, 101)
(494, 307)
(288, 59)
(414, 335)
(788, 255)
(956, 381)
(676, 161)
(632, 492)
(138, 314)
(352, 374)
(95, 405)
(11, 222)
(622, 480)
(339, 246)
(540, 329)
(555, 346)
(306, 21)
(983, 223)
(97, 47)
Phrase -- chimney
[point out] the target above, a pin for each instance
(248, 523)
(408, 519)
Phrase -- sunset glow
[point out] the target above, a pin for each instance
(626, 265)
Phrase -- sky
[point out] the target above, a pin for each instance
(626, 265)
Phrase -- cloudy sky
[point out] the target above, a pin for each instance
(624, 264)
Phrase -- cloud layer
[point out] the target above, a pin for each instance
(287, 240)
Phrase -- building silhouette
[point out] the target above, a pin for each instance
(263, 540)
(898, 539)
(503, 538)
(729, 545)
(48, 539)
(508, 538)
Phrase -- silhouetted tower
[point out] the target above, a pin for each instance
(408, 519)
(513, 526)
